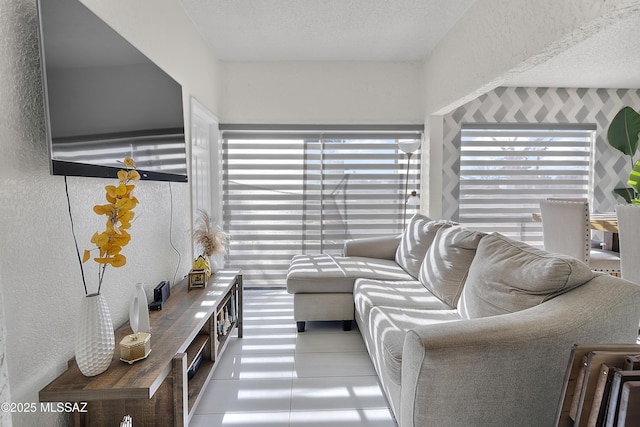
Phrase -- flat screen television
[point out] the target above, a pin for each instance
(105, 100)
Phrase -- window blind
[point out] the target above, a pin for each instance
(505, 170)
(296, 191)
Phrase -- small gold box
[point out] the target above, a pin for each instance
(197, 278)
(135, 347)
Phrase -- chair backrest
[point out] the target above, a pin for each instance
(629, 238)
(565, 224)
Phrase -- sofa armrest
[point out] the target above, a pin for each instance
(509, 370)
(383, 247)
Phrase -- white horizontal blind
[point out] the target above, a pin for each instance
(297, 192)
(505, 170)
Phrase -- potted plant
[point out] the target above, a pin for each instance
(624, 135)
(95, 340)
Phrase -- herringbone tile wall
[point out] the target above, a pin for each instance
(543, 105)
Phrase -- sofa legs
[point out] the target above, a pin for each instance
(300, 326)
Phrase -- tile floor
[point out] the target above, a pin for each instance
(277, 377)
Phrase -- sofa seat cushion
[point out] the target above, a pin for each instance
(508, 276)
(415, 240)
(447, 261)
(387, 328)
(325, 273)
(410, 294)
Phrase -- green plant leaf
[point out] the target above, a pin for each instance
(623, 131)
(626, 193)
(634, 177)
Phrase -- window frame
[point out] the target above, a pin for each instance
(542, 140)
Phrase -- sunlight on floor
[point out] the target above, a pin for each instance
(277, 377)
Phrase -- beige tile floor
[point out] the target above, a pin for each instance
(277, 377)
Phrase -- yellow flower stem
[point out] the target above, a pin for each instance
(101, 271)
(119, 213)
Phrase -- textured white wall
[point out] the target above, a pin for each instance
(39, 273)
(321, 92)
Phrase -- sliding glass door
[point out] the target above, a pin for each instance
(307, 191)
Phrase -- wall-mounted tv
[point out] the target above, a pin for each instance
(105, 100)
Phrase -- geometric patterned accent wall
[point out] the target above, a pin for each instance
(544, 105)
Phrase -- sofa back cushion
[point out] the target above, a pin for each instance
(447, 261)
(415, 241)
(508, 276)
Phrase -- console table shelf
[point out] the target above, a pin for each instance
(157, 390)
(196, 348)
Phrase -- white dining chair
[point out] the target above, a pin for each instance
(629, 239)
(566, 230)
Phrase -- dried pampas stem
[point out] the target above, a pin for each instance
(211, 242)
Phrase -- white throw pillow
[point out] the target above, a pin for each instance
(447, 261)
(415, 241)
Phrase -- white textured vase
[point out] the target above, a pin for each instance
(139, 311)
(95, 340)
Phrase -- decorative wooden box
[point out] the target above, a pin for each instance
(197, 278)
(135, 347)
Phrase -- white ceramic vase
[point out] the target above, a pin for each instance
(139, 311)
(216, 262)
(94, 340)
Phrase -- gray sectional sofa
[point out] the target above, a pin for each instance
(465, 328)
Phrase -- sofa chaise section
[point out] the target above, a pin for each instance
(322, 284)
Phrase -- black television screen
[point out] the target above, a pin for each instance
(105, 100)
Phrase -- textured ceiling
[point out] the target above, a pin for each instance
(398, 30)
(324, 30)
(609, 59)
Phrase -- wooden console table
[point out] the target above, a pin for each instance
(157, 391)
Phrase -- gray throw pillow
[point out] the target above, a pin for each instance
(415, 241)
(447, 261)
(508, 276)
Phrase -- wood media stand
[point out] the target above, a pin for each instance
(164, 388)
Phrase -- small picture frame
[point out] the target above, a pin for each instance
(197, 279)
